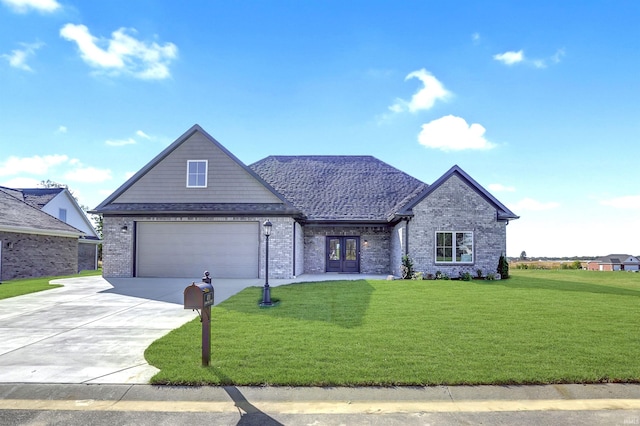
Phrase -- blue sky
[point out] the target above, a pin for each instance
(537, 101)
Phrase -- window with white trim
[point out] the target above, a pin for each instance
(197, 173)
(62, 214)
(454, 247)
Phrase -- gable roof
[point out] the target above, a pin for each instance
(39, 197)
(18, 216)
(617, 259)
(109, 205)
(339, 188)
(503, 213)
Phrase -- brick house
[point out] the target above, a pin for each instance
(32, 242)
(196, 206)
(615, 262)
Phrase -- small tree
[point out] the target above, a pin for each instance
(407, 267)
(503, 267)
(523, 255)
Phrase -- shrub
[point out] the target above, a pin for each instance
(407, 267)
(490, 277)
(465, 276)
(478, 273)
(503, 267)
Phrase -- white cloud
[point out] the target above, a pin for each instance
(630, 202)
(122, 54)
(534, 205)
(31, 165)
(62, 129)
(143, 134)
(21, 182)
(557, 57)
(18, 57)
(451, 133)
(88, 174)
(509, 58)
(475, 37)
(498, 187)
(23, 6)
(426, 97)
(120, 142)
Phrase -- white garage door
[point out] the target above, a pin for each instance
(170, 249)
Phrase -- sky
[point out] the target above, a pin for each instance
(538, 101)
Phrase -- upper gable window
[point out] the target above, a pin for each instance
(62, 214)
(197, 173)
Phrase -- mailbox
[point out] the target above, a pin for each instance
(198, 296)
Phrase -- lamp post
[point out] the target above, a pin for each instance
(266, 291)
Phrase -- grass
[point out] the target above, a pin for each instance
(21, 286)
(537, 327)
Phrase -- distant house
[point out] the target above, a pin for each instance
(196, 206)
(34, 243)
(615, 262)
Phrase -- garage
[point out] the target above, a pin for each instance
(178, 249)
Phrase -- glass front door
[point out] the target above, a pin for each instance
(343, 254)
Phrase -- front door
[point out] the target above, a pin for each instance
(343, 254)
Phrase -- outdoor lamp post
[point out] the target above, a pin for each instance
(266, 291)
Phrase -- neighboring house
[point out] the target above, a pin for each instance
(615, 262)
(196, 207)
(32, 242)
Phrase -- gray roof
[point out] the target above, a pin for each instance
(39, 197)
(615, 259)
(340, 188)
(209, 208)
(16, 215)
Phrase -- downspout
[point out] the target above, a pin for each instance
(294, 249)
(406, 236)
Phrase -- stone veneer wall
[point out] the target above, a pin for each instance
(30, 255)
(375, 243)
(118, 250)
(398, 235)
(454, 206)
(299, 242)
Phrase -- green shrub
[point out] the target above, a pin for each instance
(465, 276)
(407, 267)
(503, 267)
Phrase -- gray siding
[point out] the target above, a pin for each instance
(454, 206)
(227, 182)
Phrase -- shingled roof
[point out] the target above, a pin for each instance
(39, 197)
(340, 188)
(18, 216)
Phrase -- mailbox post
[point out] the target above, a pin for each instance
(199, 296)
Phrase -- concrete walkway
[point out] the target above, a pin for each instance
(94, 330)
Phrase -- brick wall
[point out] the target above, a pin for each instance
(454, 206)
(118, 251)
(29, 255)
(375, 243)
(87, 256)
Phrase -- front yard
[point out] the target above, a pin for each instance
(20, 286)
(537, 327)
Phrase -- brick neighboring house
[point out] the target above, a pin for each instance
(615, 262)
(32, 242)
(196, 206)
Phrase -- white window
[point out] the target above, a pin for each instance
(454, 247)
(62, 214)
(197, 173)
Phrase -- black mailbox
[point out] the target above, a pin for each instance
(198, 296)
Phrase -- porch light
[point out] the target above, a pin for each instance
(266, 291)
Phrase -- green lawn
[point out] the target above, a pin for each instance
(18, 287)
(537, 327)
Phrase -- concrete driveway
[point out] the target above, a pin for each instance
(94, 330)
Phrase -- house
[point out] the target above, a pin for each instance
(615, 262)
(32, 242)
(197, 207)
